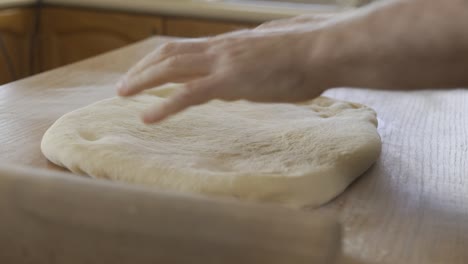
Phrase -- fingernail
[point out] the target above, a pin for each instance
(121, 86)
(152, 117)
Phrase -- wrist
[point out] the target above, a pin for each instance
(324, 60)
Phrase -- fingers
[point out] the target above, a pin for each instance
(179, 68)
(195, 93)
(167, 50)
(274, 23)
(162, 54)
(295, 21)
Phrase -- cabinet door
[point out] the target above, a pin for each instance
(70, 35)
(192, 28)
(15, 28)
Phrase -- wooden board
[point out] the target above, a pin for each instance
(411, 207)
(50, 217)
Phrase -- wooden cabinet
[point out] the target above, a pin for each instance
(70, 35)
(16, 26)
(34, 40)
(185, 27)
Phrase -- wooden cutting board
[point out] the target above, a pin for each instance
(411, 207)
(50, 217)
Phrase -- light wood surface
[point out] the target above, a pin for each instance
(52, 218)
(411, 207)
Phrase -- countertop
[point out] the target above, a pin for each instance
(410, 207)
(234, 10)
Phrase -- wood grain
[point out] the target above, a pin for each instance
(52, 218)
(411, 207)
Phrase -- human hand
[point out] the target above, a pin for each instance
(252, 65)
(298, 21)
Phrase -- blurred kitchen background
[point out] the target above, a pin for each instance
(37, 36)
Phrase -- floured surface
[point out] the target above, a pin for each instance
(292, 154)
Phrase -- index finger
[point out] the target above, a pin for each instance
(194, 93)
(167, 50)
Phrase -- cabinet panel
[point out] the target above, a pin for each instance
(15, 34)
(192, 28)
(70, 35)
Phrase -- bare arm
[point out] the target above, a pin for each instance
(401, 44)
(310, 20)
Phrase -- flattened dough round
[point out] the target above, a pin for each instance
(293, 154)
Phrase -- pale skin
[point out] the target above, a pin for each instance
(400, 44)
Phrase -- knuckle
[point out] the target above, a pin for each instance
(174, 61)
(185, 95)
(135, 81)
(267, 24)
(228, 54)
(167, 48)
(195, 86)
(194, 45)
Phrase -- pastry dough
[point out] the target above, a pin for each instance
(293, 154)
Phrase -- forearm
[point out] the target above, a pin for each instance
(403, 45)
(302, 20)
